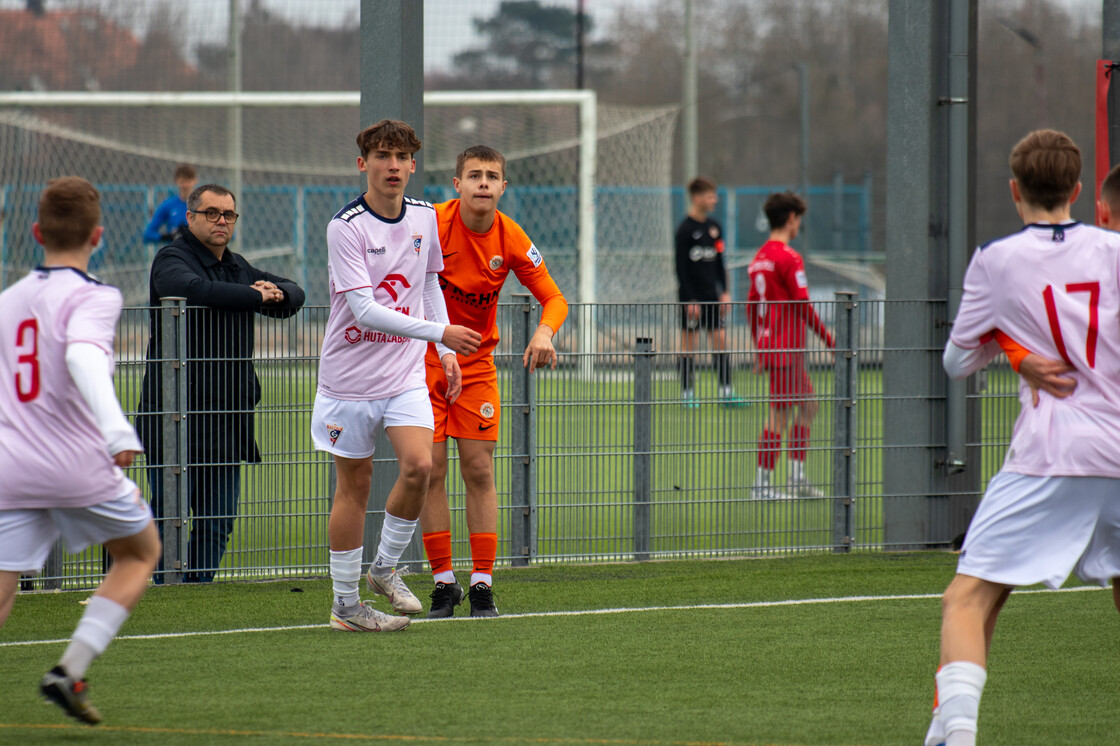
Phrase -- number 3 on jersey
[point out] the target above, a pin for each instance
(1094, 291)
(27, 344)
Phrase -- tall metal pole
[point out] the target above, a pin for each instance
(234, 85)
(580, 30)
(803, 162)
(688, 96)
(1110, 50)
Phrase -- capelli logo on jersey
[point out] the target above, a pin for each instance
(376, 250)
(334, 431)
(417, 239)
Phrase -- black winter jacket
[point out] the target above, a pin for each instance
(222, 386)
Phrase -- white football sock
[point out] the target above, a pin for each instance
(447, 576)
(99, 625)
(959, 686)
(482, 577)
(346, 570)
(396, 533)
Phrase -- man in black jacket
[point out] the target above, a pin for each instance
(223, 293)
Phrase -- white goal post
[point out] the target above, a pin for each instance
(587, 140)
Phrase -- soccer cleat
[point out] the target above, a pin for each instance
(445, 598)
(734, 401)
(70, 695)
(393, 588)
(799, 483)
(805, 488)
(364, 618)
(688, 398)
(482, 600)
(762, 488)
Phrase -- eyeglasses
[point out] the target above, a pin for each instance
(214, 213)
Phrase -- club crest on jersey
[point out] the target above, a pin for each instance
(417, 239)
(334, 431)
(534, 255)
(486, 410)
(353, 334)
(495, 262)
(713, 231)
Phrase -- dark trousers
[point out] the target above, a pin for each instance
(212, 493)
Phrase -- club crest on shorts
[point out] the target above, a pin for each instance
(417, 238)
(334, 431)
(486, 410)
(495, 262)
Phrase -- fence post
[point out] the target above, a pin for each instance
(523, 461)
(643, 415)
(845, 391)
(173, 423)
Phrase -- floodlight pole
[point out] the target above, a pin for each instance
(234, 80)
(689, 126)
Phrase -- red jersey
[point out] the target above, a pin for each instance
(475, 266)
(778, 307)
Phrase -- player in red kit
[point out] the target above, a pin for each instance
(778, 311)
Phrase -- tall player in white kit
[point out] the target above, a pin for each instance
(1054, 507)
(64, 438)
(386, 304)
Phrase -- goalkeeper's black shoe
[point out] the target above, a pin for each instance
(70, 695)
(445, 598)
(482, 600)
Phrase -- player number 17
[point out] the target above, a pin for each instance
(1094, 291)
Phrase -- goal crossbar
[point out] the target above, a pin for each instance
(583, 99)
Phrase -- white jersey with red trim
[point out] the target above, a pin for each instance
(52, 454)
(1054, 289)
(393, 257)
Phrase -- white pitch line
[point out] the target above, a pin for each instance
(584, 612)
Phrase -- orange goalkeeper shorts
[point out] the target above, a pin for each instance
(476, 413)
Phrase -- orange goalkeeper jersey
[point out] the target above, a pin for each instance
(475, 266)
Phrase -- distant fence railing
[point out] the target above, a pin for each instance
(598, 460)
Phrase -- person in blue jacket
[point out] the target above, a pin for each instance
(171, 215)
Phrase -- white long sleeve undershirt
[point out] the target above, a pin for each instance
(89, 367)
(372, 315)
(961, 363)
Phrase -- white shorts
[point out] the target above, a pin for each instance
(27, 535)
(349, 428)
(1031, 530)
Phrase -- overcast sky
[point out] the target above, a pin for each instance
(448, 23)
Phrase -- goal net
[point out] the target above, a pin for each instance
(290, 158)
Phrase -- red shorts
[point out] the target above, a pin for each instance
(789, 384)
(478, 410)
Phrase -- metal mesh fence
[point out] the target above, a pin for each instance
(600, 459)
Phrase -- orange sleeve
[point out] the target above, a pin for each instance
(530, 268)
(554, 307)
(1014, 351)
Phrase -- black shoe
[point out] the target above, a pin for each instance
(70, 695)
(445, 598)
(482, 600)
